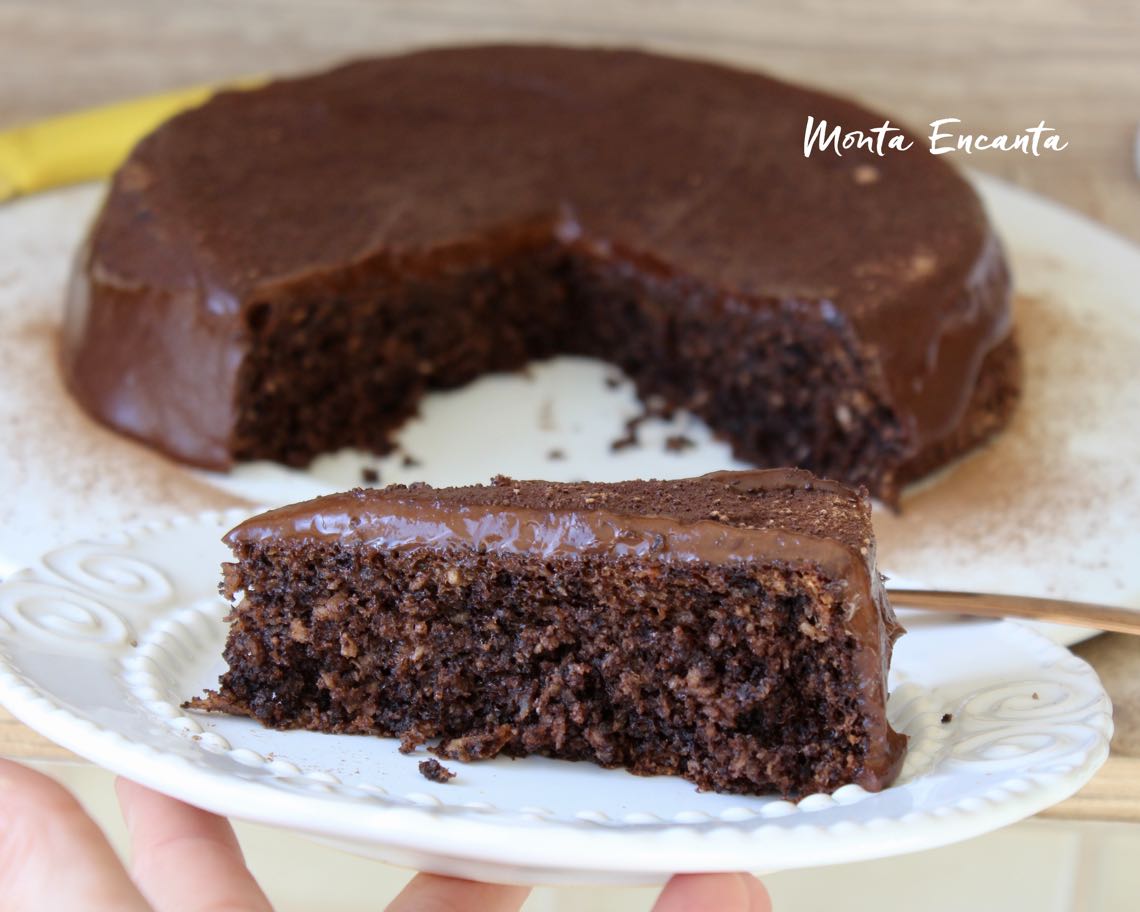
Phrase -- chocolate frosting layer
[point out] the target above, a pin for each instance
(422, 161)
(583, 519)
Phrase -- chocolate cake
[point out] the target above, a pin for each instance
(731, 629)
(285, 271)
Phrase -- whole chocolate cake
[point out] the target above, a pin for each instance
(731, 629)
(285, 271)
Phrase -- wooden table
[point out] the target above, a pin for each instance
(998, 67)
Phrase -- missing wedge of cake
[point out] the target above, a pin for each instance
(731, 629)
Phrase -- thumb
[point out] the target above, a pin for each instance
(713, 893)
(52, 855)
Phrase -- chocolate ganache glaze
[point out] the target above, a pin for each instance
(287, 270)
(778, 518)
(403, 518)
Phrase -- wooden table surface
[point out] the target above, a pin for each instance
(998, 67)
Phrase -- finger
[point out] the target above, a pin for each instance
(52, 855)
(185, 859)
(435, 893)
(713, 893)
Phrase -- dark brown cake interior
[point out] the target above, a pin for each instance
(755, 675)
(785, 384)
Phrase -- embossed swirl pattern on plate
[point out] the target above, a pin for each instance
(67, 601)
(55, 615)
(1031, 722)
(94, 569)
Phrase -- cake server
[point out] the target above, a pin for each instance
(988, 604)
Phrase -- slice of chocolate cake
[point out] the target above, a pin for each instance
(731, 629)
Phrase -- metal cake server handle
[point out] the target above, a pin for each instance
(987, 604)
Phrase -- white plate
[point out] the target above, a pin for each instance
(101, 643)
(1051, 508)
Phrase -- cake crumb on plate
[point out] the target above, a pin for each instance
(435, 771)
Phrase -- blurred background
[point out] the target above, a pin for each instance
(999, 67)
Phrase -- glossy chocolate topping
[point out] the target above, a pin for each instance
(435, 160)
(569, 519)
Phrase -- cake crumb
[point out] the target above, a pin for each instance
(298, 632)
(369, 475)
(653, 407)
(947, 718)
(1035, 697)
(410, 740)
(628, 439)
(677, 443)
(435, 771)
(410, 462)
(555, 455)
(613, 381)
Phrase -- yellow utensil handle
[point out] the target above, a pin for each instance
(87, 144)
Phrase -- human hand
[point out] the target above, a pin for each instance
(53, 856)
